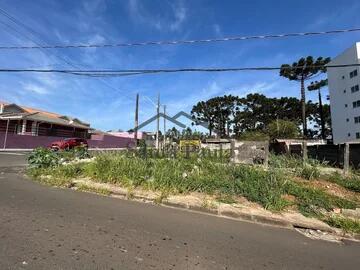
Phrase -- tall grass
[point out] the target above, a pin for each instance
(202, 174)
(294, 164)
(183, 175)
(312, 201)
(351, 182)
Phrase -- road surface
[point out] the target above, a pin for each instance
(49, 228)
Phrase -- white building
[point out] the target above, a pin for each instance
(344, 83)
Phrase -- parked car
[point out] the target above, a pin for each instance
(69, 143)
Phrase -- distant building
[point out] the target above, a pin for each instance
(21, 120)
(344, 86)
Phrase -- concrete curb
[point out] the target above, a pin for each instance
(222, 210)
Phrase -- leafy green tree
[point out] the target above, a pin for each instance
(173, 134)
(204, 111)
(186, 133)
(217, 112)
(253, 135)
(317, 85)
(301, 71)
(283, 129)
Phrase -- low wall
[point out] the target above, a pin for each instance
(334, 154)
(15, 141)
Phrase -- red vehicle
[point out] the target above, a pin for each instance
(69, 143)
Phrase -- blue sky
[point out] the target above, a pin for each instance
(109, 103)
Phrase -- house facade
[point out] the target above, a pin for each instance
(28, 128)
(21, 120)
(344, 86)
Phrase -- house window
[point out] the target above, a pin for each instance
(348, 134)
(357, 135)
(353, 73)
(357, 119)
(355, 88)
(345, 105)
(344, 91)
(356, 104)
(343, 77)
(347, 119)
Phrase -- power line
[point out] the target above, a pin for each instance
(130, 72)
(176, 42)
(39, 46)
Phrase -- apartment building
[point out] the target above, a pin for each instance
(344, 86)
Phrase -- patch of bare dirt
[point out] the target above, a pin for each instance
(330, 188)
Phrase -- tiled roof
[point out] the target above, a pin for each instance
(44, 116)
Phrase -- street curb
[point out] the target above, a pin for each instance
(236, 215)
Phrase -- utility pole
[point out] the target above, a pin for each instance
(157, 122)
(164, 126)
(136, 119)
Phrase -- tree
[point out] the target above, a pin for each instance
(204, 111)
(173, 134)
(217, 112)
(283, 129)
(317, 85)
(301, 71)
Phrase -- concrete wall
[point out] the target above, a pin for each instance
(250, 152)
(341, 98)
(15, 141)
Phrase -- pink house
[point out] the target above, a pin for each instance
(27, 128)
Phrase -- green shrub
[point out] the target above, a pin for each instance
(253, 136)
(308, 172)
(43, 158)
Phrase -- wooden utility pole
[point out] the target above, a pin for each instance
(157, 122)
(136, 120)
(164, 126)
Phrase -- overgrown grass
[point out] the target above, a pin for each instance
(349, 182)
(59, 176)
(312, 202)
(308, 170)
(205, 175)
(346, 224)
(181, 175)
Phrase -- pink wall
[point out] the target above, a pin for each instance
(15, 141)
(125, 134)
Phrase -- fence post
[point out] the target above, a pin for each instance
(304, 148)
(232, 150)
(346, 158)
(221, 152)
(266, 157)
(187, 151)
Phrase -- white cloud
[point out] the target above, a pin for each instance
(95, 6)
(35, 88)
(217, 29)
(180, 17)
(140, 14)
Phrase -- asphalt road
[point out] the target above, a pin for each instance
(49, 228)
(12, 159)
